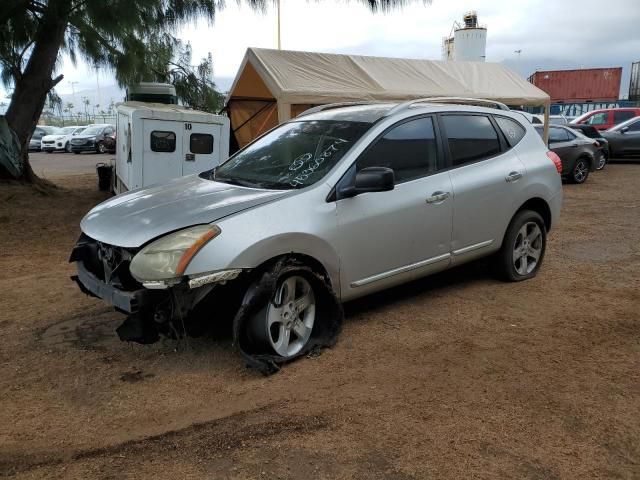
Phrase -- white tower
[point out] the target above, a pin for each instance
(468, 42)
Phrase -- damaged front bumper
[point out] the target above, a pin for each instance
(128, 302)
(153, 308)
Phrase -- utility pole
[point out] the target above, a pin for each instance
(279, 42)
(73, 90)
(98, 84)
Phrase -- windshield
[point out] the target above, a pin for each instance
(93, 131)
(295, 155)
(52, 130)
(68, 130)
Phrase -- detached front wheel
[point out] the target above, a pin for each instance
(523, 247)
(284, 326)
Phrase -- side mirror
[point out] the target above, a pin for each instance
(370, 179)
(624, 129)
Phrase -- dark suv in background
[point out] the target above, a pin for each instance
(92, 139)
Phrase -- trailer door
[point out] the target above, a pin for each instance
(200, 147)
(162, 152)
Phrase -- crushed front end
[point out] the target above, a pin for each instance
(154, 309)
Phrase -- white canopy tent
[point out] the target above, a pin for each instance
(273, 86)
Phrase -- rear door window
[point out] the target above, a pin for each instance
(513, 131)
(557, 135)
(409, 149)
(622, 115)
(470, 138)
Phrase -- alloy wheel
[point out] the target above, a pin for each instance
(580, 171)
(290, 316)
(527, 248)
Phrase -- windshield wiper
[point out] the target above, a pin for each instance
(236, 181)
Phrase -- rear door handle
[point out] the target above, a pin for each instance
(513, 176)
(438, 197)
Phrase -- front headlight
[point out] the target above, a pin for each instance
(168, 257)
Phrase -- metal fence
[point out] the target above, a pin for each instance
(78, 119)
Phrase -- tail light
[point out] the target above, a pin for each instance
(553, 156)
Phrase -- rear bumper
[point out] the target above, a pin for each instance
(129, 302)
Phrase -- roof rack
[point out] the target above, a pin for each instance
(330, 106)
(478, 102)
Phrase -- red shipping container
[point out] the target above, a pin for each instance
(589, 84)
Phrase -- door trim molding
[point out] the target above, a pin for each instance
(399, 270)
(473, 247)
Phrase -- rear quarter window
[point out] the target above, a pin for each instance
(512, 130)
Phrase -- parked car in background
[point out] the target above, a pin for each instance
(92, 139)
(577, 152)
(60, 141)
(553, 119)
(35, 142)
(338, 203)
(607, 118)
(110, 142)
(530, 117)
(602, 155)
(624, 139)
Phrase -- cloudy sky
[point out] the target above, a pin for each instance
(551, 34)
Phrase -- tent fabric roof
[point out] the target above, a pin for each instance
(314, 78)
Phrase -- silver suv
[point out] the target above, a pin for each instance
(338, 203)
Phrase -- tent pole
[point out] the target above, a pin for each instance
(547, 107)
(279, 43)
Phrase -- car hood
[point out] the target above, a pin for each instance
(132, 219)
(84, 137)
(53, 137)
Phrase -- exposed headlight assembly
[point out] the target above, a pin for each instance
(168, 257)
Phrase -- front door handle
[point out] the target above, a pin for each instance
(438, 197)
(513, 176)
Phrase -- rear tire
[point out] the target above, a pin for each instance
(523, 247)
(67, 147)
(580, 171)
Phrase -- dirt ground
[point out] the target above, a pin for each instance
(454, 376)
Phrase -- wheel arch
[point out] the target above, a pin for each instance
(540, 206)
(312, 250)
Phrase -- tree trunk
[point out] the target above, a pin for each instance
(31, 88)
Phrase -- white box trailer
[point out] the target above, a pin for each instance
(157, 142)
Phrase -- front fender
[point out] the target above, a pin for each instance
(296, 243)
